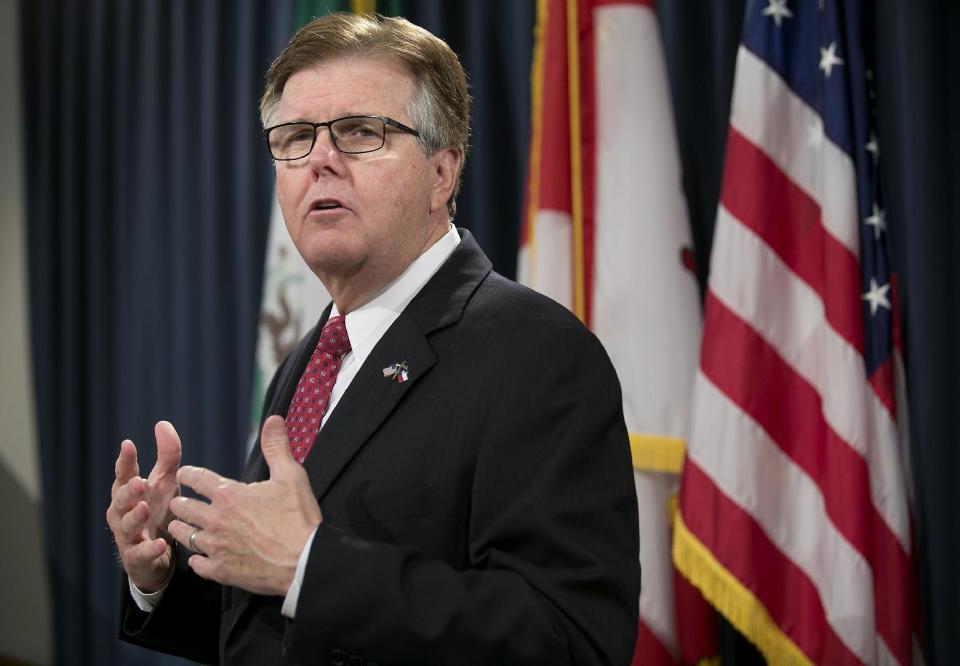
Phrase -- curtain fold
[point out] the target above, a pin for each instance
(148, 196)
(495, 43)
(918, 105)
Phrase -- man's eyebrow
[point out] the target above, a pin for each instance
(357, 113)
(346, 114)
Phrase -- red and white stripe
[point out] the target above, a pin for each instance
(794, 477)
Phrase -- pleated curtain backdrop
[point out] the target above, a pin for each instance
(495, 43)
(148, 200)
(918, 96)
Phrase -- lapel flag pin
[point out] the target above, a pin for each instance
(398, 372)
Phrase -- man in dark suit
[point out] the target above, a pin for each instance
(444, 475)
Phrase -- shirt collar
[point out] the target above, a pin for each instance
(367, 324)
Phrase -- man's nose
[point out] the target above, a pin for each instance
(324, 153)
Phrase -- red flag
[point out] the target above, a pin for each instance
(605, 232)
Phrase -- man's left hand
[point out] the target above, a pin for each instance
(251, 535)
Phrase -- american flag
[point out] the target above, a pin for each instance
(794, 507)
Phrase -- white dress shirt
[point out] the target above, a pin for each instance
(365, 326)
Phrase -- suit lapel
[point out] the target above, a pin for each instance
(371, 397)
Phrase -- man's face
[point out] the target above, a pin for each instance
(387, 206)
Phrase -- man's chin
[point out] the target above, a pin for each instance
(330, 265)
(329, 250)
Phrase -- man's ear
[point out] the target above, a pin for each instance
(446, 168)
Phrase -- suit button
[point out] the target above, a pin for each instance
(337, 657)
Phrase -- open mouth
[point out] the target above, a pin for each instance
(325, 204)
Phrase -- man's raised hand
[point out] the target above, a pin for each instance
(249, 535)
(139, 511)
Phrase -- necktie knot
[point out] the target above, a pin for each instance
(333, 338)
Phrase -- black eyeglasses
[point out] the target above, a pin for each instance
(351, 135)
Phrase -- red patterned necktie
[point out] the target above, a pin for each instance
(312, 396)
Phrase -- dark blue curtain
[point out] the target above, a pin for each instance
(495, 43)
(700, 41)
(918, 94)
(148, 201)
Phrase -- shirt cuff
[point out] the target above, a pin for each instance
(289, 608)
(145, 601)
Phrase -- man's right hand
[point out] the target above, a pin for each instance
(139, 510)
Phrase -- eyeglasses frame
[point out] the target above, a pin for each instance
(386, 120)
